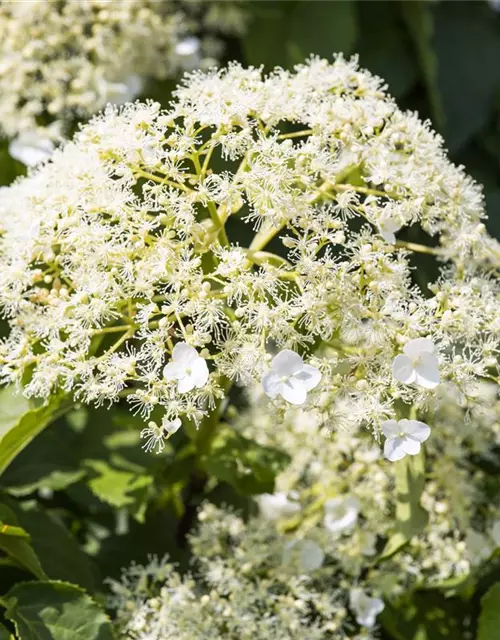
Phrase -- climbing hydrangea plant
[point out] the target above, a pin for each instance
(120, 278)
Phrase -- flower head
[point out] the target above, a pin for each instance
(290, 377)
(366, 609)
(403, 438)
(341, 514)
(417, 363)
(187, 367)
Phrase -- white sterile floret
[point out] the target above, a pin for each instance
(277, 505)
(341, 514)
(31, 148)
(417, 363)
(187, 367)
(403, 438)
(388, 228)
(290, 377)
(156, 435)
(306, 553)
(366, 609)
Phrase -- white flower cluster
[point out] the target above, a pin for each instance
(162, 255)
(341, 490)
(249, 582)
(67, 60)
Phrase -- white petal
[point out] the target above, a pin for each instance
(390, 428)
(388, 235)
(416, 429)
(402, 369)
(293, 391)
(427, 371)
(184, 353)
(309, 376)
(173, 371)
(410, 446)
(185, 384)
(187, 47)
(172, 426)
(393, 449)
(271, 383)
(31, 149)
(286, 363)
(414, 348)
(311, 555)
(199, 372)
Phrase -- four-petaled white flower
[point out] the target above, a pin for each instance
(30, 148)
(403, 438)
(341, 513)
(156, 435)
(277, 505)
(290, 378)
(417, 363)
(187, 367)
(365, 609)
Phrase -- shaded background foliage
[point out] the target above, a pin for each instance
(85, 487)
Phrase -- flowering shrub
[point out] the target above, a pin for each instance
(120, 279)
(276, 233)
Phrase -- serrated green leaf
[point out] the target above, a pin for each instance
(55, 611)
(60, 555)
(16, 543)
(489, 620)
(249, 467)
(411, 517)
(18, 428)
(119, 488)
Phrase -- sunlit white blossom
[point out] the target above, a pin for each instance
(417, 363)
(277, 505)
(366, 609)
(403, 438)
(290, 377)
(187, 367)
(31, 148)
(341, 514)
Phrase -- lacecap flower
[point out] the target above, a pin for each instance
(403, 438)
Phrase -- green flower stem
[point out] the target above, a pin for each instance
(209, 425)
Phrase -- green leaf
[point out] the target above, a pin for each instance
(489, 620)
(18, 428)
(384, 51)
(55, 611)
(15, 542)
(411, 517)
(322, 28)
(420, 22)
(425, 616)
(466, 41)
(249, 467)
(5, 633)
(120, 488)
(285, 33)
(60, 555)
